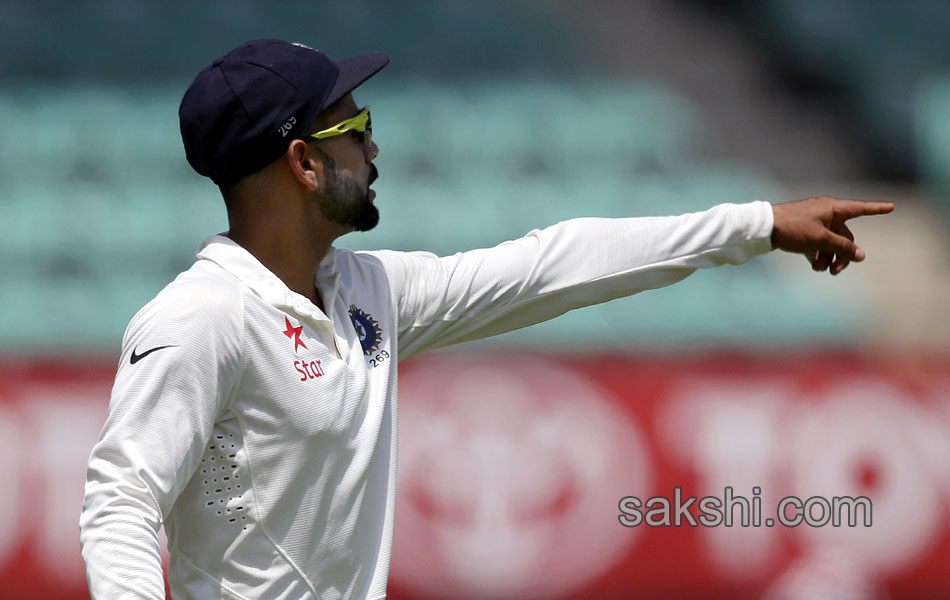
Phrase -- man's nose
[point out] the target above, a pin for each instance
(371, 152)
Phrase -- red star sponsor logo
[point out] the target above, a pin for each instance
(294, 332)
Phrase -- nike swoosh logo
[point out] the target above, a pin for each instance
(137, 357)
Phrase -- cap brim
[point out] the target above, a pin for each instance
(353, 72)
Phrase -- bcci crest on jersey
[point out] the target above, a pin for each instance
(367, 328)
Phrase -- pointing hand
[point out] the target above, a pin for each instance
(816, 228)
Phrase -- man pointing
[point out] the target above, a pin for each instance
(254, 408)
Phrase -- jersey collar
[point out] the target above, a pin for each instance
(233, 258)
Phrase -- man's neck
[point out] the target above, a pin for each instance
(288, 252)
(284, 229)
(295, 266)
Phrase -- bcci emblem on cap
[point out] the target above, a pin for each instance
(367, 328)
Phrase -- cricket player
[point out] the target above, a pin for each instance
(254, 409)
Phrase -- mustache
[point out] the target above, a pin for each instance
(373, 175)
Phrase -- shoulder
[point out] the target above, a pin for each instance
(204, 288)
(202, 301)
(365, 266)
(393, 264)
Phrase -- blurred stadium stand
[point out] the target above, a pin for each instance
(932, 132)
(121, 213)
(473, 153)
(875, 58)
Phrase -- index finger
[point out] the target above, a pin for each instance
(848, 209)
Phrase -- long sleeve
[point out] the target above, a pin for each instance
(185, 345)
(576, 263)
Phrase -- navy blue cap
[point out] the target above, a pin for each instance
(240, 113)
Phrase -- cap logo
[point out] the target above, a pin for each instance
(287, 126)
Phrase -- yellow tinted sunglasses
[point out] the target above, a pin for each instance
(361, 124)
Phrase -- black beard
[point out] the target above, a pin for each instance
(344, 203)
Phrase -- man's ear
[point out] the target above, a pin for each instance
(305, 168)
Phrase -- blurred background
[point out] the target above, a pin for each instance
(495, 118)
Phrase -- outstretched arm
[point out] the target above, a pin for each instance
(576, 263)
(475, 294)
(816, 228)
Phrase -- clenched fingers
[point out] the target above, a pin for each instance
(839, 245)
(841, 262)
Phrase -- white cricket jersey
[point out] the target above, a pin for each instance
(262, 432)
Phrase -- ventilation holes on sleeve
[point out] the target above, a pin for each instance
(223, 493)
